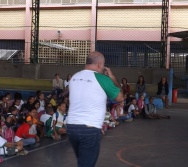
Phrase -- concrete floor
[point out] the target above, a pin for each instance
(142, 143)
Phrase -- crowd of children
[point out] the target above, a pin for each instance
(25, 123)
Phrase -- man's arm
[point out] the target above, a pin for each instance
(113, 78)
(119, 97)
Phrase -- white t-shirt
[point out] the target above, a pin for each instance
(42, 105)
(21, 103)
(60, 119)
(115, 112)
(88, 91)
(44, 118)
(2, 143)
(131, 108)
(66, 83)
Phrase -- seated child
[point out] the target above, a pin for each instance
(37, 124)
(120, 115)
(151, 112)
(58, 122)
(11, 148)
(47, 115)
(133, 109)
(7, 129)
(141, 104)
(22, 134)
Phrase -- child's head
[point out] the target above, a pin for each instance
(69, 77)
(17, 95)
(62, 107)
(38, 92)
(17, 102)
(4, 99)
(31, 99)
(66, 100)
(125, 96)
(133, 101)
(124, 81)
(8, 95)
(49, 110)
(13, 110)
(142, 97)
(33, 112)
(48, 105)
(151, 100)
(36, 104)
(29, 120)
(54, 96)
(41, 96)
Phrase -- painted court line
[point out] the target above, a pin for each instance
(37, 149)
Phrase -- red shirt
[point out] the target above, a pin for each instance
(23, 131)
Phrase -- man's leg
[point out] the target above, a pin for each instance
(89, 147)
(73, 138)
(86, 144)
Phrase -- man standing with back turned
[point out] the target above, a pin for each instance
(88, 94)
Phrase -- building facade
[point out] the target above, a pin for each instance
(128, 32)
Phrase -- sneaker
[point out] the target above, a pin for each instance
(129, 120)
(23, 152)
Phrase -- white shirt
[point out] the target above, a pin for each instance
(60, 119)
(88, 98)
(131, 108)
(21, 103)
(58, 84)
(44, 118)
(66, 83)
(42, 105)
(2, 143)
(115, 112)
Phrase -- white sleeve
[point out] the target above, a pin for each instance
(54, 117)
(131, 108)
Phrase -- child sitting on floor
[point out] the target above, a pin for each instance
(58, 122)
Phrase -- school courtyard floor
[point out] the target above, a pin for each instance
(142, 143)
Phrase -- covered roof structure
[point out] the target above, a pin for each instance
(7, 54)
(180, 34)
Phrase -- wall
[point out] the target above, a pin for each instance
(31, 71)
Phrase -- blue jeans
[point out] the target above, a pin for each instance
(137, 96)
(86, 143)
(28, 141)
(123, 118)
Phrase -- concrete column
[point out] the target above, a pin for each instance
(168, 38)
(93, 24)
(28, 14)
